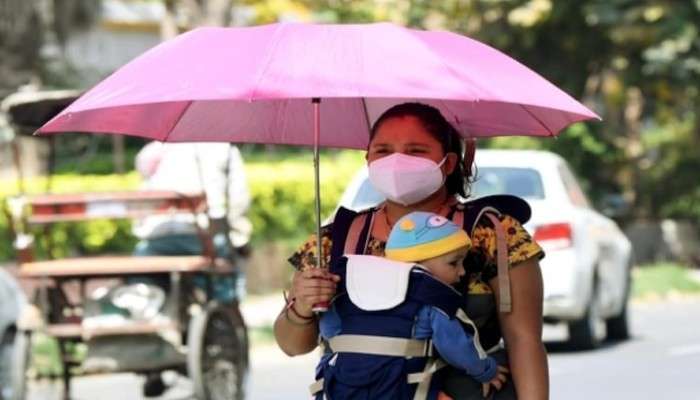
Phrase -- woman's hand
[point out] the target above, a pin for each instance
(295, 331)
(497, 382)
(312, 286)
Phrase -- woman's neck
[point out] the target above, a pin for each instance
(433, 203)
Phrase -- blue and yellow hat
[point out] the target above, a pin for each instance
(421, 235)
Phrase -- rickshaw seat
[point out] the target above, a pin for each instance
(76, 330)
(52, 208)
(121, 265)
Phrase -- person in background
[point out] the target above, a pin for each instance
(215, 169)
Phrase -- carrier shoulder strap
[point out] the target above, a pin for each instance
(502, 203)
(469, 214)
(350, 232)
(505, 302)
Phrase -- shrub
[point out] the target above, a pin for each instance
(282, 203)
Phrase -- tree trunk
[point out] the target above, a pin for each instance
(217, 13)
(21, 32)
(168, 26)
(634, 149)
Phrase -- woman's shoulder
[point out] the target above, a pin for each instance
(305, 256)
(521, 245)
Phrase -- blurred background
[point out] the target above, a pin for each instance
(635, 63)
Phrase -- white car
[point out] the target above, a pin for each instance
(588, 259)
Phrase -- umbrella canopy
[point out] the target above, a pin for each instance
(255, 85)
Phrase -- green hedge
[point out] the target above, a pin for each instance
(282, 209)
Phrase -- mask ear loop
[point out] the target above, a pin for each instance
(439, 167)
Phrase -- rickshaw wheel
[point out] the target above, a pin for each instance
(241, 332)
(20, 364)
(214, 362)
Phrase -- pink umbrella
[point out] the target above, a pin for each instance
(256, 85)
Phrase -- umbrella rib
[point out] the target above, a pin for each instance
(177, 121)
(364, 107)
(539, 121)
(265, 67)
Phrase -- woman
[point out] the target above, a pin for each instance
(422, 133)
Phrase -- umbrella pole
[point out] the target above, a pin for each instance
(320, 307)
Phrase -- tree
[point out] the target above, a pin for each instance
(26, 26)
(636, 63)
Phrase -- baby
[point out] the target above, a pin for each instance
(391, 312)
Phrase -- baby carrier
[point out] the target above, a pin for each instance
(375, 356)
(415, 360)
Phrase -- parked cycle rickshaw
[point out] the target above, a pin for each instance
(173, 324)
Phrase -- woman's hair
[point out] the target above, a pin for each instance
(433, 122)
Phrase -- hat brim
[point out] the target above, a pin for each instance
(429, 250)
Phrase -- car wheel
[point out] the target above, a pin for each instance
(618, 326)
(588, 332)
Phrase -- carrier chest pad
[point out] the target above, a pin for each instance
(376, 283)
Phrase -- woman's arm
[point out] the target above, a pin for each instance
(522, 331)
(294, 334)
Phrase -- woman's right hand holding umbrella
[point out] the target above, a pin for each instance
(312, 286)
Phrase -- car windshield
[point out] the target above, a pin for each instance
(521, 182)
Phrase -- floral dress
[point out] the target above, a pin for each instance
(480, 262)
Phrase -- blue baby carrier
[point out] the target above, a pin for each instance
(357, 364)
(375, 356)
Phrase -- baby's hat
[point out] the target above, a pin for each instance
(422, 235)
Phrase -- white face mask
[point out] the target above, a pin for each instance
(406, 179)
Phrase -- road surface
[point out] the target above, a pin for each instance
(660, 362)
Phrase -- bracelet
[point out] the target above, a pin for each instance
(306, 322)
(296, 313)
(290, 306)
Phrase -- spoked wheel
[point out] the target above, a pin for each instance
(21, 357)
(241, 329)
(214, 360)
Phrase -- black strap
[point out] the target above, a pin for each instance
(339, 231)
(341, 227)
(503, 203)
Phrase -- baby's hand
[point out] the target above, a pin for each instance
(497, 382)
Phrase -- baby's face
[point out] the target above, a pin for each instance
(448, 267)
